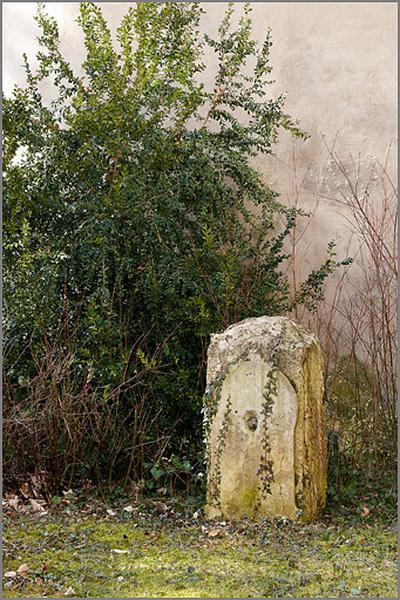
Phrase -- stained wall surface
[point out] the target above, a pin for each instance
(337, 61)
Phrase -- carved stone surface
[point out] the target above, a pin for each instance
(264, 421)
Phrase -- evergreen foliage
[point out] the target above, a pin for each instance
(134, 227)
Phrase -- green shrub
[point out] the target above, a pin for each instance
(134, 227)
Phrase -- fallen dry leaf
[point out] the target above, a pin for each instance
(23, 570)
(69, 592)
(24, 489)
(10, 574)
(366, 511)
(161, 507)
(69, 493)
(214, 533)
(389, 563)
(36, 507)
(13, 502)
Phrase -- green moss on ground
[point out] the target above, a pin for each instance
(181, 558)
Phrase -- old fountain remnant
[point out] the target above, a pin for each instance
(264, 422)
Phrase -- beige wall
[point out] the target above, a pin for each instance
(337, 62)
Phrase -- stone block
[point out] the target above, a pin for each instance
(264, 422)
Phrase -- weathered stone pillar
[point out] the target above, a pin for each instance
(264, 422)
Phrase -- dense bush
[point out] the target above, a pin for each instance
(134, 227)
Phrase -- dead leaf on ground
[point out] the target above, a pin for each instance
(365, 511)
(25, 491)
(13, 502)
(36, 507)
(161, 507)
(69, 493)
(69, 592)
(37, 482)
(10, 574)
(388, 563)
(23, 570)
(213, 533)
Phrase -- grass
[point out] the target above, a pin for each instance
(169, 555)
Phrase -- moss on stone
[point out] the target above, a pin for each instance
(245, 504)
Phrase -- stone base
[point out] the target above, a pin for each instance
(264, 420)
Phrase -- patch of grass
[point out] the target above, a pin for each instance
(173, 557)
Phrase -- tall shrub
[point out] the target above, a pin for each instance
(135, 226)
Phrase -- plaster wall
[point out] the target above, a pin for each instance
(337, 61)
